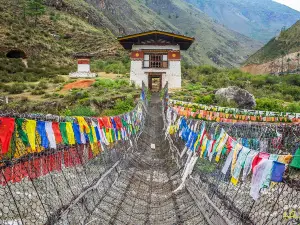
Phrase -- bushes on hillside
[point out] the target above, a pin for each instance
(80, 111)
(111, 66)
(15, 88)
(207, 99)
(273, 92)
(121, 106)
(269, 104)
(14, 70)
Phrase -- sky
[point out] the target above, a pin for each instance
(295, 4)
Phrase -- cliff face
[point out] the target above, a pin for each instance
(275, 66)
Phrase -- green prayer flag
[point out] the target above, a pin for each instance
(224, 150)
(113, 134)
(63, 131)
(296, 160)
(21, 132)
(90, 135)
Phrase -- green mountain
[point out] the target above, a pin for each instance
(49, 46)
(286, 43)
(215, 44)
(92, 26)
(258, 19)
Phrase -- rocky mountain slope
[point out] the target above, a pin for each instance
(92, 25)
(258, 19)
(289, 63)
(214, 44)
(281, 54)
(287, 42)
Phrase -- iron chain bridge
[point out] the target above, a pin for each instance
(148, 178)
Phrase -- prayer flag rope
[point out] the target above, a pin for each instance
(223, 114)
(241, 160)
(34, 147)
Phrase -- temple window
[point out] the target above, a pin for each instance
(155, 61)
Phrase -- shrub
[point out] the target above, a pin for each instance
(43, 85)
(121, 106)
(293, 107)
(207, 99)
(16, 88)
(38, 92)
(47, 95)
(207, 69)
(292, 79)
(58, 79)
(54, 16)
(80, 111)
(111, 66)
(269, 104)
(31, 86)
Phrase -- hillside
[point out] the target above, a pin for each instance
(215, 44)
(258, 19)
(273, 93)
(49, 46)
(291, 64)
(75, 25)
(286, 43)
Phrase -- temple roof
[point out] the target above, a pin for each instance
(156, 37)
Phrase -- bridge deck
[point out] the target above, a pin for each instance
(142, 194)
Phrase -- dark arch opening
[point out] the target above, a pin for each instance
(16, 54)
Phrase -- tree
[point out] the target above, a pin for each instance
(288, 65)
(298, 68)
(35, 8)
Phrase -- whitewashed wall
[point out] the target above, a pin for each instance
(84, 68)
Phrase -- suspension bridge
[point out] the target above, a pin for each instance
(135, 181)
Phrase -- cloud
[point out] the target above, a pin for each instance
(295, 4)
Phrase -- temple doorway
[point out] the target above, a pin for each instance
(155, 82)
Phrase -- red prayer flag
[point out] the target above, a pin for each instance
(57, 134)
(7, 126)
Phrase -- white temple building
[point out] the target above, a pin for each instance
(156, 58)
(83, 66)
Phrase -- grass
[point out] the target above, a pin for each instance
(112, 66)
(50, 45)
(273, 93)
(105, 96)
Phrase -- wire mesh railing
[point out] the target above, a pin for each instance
(214, 189)
(62, 185)
(136, 181)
